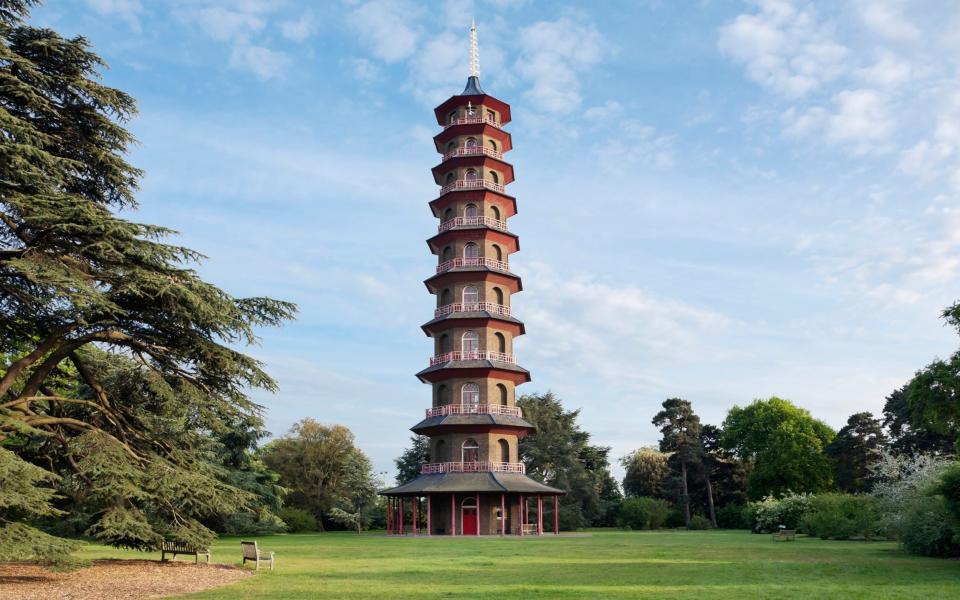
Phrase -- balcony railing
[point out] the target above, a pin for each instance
(472, 184)
(490, 307)
(473, 121)
(472, 467)
(479, 261)
(446, 357)
(472, 222)
(474, 409)
(473, 151)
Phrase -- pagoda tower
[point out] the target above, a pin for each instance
(474, 482)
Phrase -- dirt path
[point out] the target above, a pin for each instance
(113, 579)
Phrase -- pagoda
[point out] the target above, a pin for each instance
(474, 482)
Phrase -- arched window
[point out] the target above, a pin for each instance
(470, 343)
(471, 175)
(446, 297)
(452, 117)
(450, 178)
(501, 342)
(470, 210)
(491, 115)
(502, 392)
(498, 294)
(494, 177)
(498, 252)
(471, 250)
(471, 295)
(471, 142)
(504, 451)
(443, 395)
(470, 451)
(445, 343)
(451, 145)
(447, 254)
(495, 212)
(493, 145)
(447, 214)
(470, 395)
(440, 452)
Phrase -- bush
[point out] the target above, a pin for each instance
(264, 523)
(675, 518)
(733, 516)
(298, 519)
(768, 515)
(643, 513)
(926, 528)
(950, 489)
(841, 517)
(698, 522)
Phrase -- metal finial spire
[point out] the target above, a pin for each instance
(474, 52)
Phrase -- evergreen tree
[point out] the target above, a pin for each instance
(855, 451)
(646, 470)
(908, 435)
(118, 360)
(409, 463)
(680, 427)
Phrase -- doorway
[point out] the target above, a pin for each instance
(468, 516)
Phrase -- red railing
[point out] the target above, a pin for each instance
(472, 467)
(474, 409)
(493, 263)
(473, 151)
(471, 184)
(472, 222)
(489, 307)
(446, 357)
(473, 121)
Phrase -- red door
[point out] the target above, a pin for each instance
(469, 520)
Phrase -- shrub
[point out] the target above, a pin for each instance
(298, 519)
(950, 489)
(926, 528)
(733, 516)
(675, 518)
(769, 514)
(263, 523)
(698, 522)
(643, 513)
(841, 517)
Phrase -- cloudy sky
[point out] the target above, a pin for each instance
(718, 200)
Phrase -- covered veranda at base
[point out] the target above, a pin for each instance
(472, 504)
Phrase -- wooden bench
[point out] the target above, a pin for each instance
(786, 535)
(529, 529)
(176, 548)
(252, 552)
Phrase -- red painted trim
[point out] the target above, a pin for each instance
(503, 514)
(517, 378)
(512, 282)
(478, 100)
(441, 429)
(540, 515)
(478, 514)
(515, 329)
(453, 514)
(429, 529)
(510, 241)
(556, 515)
(507, 204)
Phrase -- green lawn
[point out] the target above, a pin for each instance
(608, 564)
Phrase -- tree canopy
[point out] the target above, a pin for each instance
(855, 451)
(784, 444)
(119, 361)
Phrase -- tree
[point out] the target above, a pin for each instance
(646, 469)
(560, 455)
(118, 359)
(784, 443)
(318, 464)
(409, 463)
(855, 451)
(357, 494)
(908, 436)
(680, 428)
(933, 400)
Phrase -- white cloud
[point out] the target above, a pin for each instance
(938, 156)
(363, 69)
(224, 24)
(298, 30)
(604, 112)
(387, 27)
(126, 10)
(263, 62)
(861, 117)
(886, 18)
(888, 71)
(553, 55)
(785, 49)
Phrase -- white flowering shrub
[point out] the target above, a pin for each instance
(772, 514)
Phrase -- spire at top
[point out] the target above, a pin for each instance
(473, 82)
(474, 50)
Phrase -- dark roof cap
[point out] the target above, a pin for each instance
(473, 87)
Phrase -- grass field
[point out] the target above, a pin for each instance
(607, 564)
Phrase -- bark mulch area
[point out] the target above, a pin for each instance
(113, 579)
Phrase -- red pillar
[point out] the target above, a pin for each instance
(415, 502)
(539, 515)
(429, 529)
(503, 514)
(401, 515)
(453, 514)
(523, 516)
(478, 514)
(556, 515)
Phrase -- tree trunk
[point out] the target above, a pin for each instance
(713, 511)
(686, 493)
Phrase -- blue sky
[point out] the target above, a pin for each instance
(718, 200)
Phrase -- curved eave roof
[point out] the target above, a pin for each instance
(513, 239)
(508, 202)
(445, 421)
(493, 483)
(470, 270)
(482, 161)
(474, 94)
(473, 365)
(481, 314)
